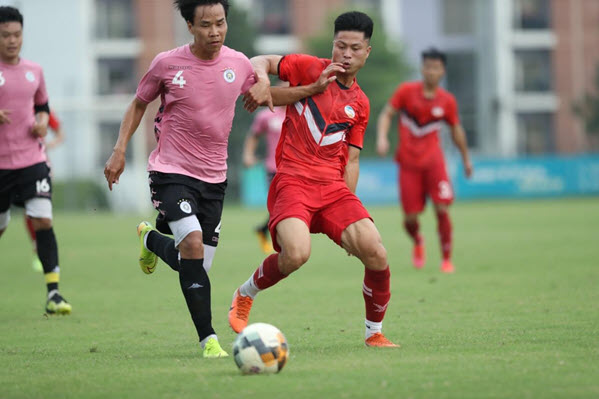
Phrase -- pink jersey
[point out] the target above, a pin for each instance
(269, 124)
(22, 86)
(198, 100)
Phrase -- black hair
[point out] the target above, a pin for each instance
(188, 7)
(10, 14)
(355, 21)
(433, 54)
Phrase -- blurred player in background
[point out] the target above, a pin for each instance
(56, 128)
(266, 124)
(24, 175)
(422, 106)
(317, 173)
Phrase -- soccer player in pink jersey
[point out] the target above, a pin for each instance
(266, 124)
(24, 175)
(317, 173)
(423, 106)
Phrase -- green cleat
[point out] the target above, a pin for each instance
(58, 305)
(36, 264)
(147, 258)
(212, 349)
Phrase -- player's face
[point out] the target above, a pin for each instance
(351, 49)
(209, 29)
(11, 40)
(432, 71)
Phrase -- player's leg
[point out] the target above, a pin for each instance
(413, 199)
(441, 193)
(36, 263)
(6, 186)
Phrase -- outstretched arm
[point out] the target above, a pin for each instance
(459, 139)
(116, 163)
(382, 129)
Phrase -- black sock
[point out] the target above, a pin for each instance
(195, 286)
(164, 247)
(47, 251)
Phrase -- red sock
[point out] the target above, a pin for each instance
(268, 274)
(30, 230)
(376, 293)
(444, 228)
(413, 229)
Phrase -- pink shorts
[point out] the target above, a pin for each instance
(416, 184)
(325, 208)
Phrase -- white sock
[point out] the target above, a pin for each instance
(203, 342)
(372, 328)
(249, 288)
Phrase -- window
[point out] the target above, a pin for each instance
(461, 82)
(273, 16)
(115, 19)
(458, 17)
(533, 71)
(535, 133)
(109, 133)
(532, 14)
(116, 76)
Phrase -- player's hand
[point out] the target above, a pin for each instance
(327, 76)
(468, 169)
(114, 167)
(4, 113)
(39, 129)
(257, 95)
(382, 146)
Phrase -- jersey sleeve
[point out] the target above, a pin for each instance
(259, 125)
(53, 122)
(301, 69)
(396, 100)
(41, 94)
(151, 85)
(452, 116)
(356, 134)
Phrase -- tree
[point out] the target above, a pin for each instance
(385, 69)
(588, 109)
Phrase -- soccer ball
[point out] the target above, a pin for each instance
(260, 348)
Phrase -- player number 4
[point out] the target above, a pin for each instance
(179, 80)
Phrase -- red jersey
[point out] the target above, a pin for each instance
(318, 130)
(419, 123)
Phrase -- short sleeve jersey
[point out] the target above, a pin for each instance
(420, 120)
(318, 130)
(197, 109)
(268, 124)
(22, 87)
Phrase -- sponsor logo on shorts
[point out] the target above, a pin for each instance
(229, 75)
(185, 206)
(349, 111)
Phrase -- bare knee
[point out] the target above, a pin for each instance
(192, 247)
(41, 223)
(374, 256)
(293, 258)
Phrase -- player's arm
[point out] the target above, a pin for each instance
(42, 116)
(352, 169)
(382, 129)
(249, 150)
(259, 93)
(56, 127)
(116, 163)
(458, 135)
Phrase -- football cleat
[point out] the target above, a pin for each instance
(447, 266)
(147, 258)
(239, 312)
(36, 264)
(418, 256)
(264, 243)
(58, 305)
(212, 349)
(380, 341)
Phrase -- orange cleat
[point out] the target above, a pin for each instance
(418, 256)
(264, 243)
(239, 312)
(447, 266)
(380, 341)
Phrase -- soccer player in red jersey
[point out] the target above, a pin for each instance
(422, 106)
(317, 172)
(24, 175)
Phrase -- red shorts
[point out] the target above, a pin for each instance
(325, 208)
(416, 184)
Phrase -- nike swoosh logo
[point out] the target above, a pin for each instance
(194, 286)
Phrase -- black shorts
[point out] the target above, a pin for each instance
(20, 185)
(178, 196)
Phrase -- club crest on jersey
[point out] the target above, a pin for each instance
(437, 112)
(185, 206)
(229, 75)
(30, 76)
(349, 111)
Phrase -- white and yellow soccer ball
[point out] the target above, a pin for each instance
(260, 348)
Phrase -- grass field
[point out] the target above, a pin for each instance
(519, 319)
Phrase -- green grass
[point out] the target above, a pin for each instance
(519, 319)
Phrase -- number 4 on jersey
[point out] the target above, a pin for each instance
(178, 79)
